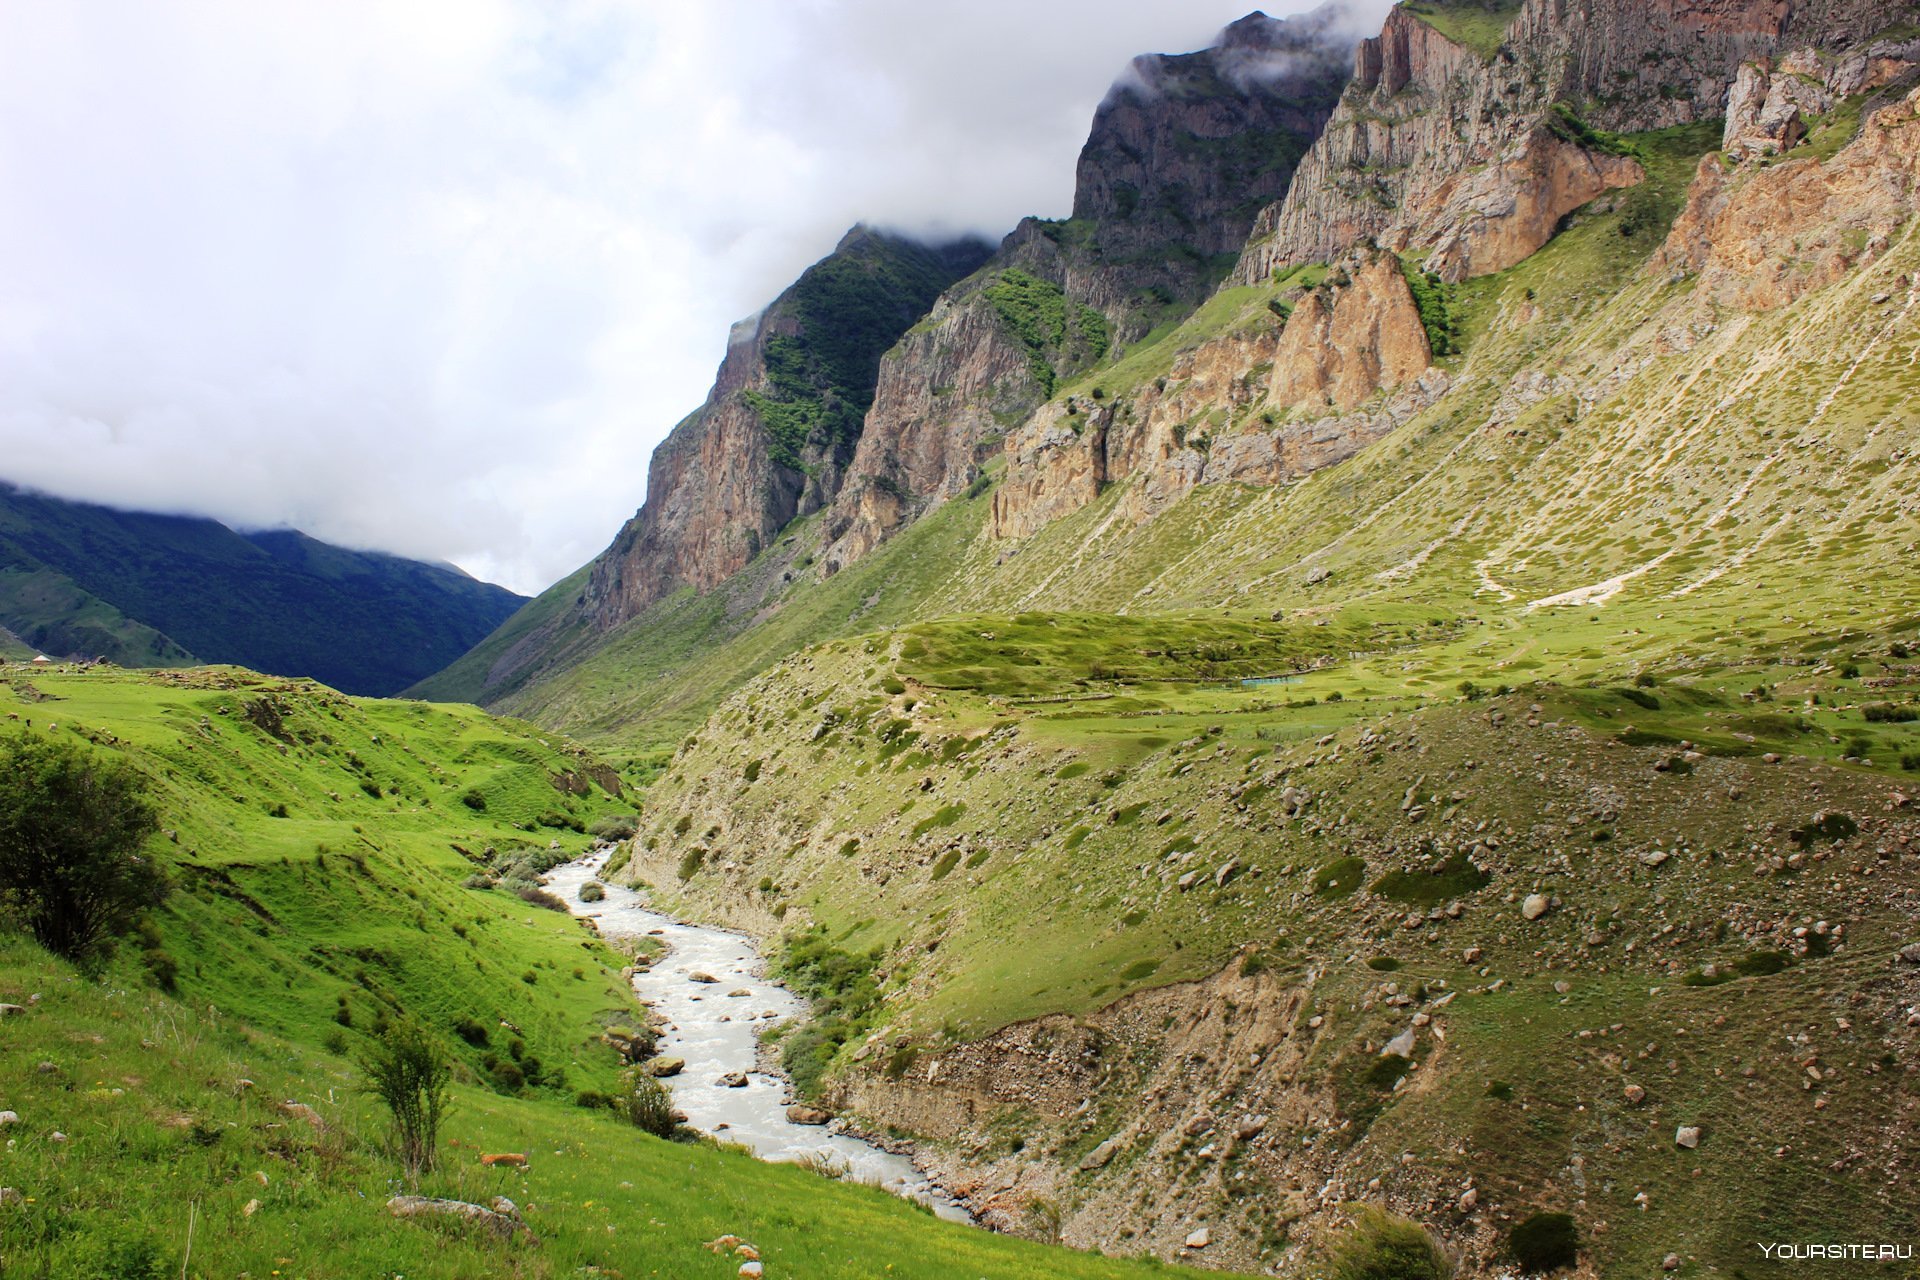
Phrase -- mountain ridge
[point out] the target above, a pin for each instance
(141, 589)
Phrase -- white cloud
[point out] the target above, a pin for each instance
(435, 277)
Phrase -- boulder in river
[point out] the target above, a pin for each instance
(661, 1068)
(800, 1113)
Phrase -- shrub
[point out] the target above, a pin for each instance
(1850, 671)
(472, 798)
(532, 893)
(593, 891)
(1826, 826)
(1760, 964)
(408, 1073)
(1381, 1246)
(71, 825)
(1889, 713)
(1639, 697)
(1545, 1242)
(1387, 1070)
(507, 1075)
(648, 1105)
(690, 862)
(615, 826)
(1454, 877)
(1434, 299)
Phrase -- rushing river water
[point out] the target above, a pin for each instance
(715, 1027)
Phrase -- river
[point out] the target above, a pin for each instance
(715, 1027)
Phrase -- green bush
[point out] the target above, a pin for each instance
(648, 1105)
(1381, 1246)
(1640, 698)
(1545, 1242)
(71, 826)
(1889, 713)
(472, 798)
(1433, 298)
(593, 891)
(615, 826)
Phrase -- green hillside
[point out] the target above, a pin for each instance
(85, 581)
(287, 938)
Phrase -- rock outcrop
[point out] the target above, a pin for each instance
(1760, 237)
(780, 425)
(1343, 343)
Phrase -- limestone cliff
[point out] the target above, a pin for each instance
(780, 425)
(1470, 149)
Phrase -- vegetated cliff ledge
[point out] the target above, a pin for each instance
(780, 424)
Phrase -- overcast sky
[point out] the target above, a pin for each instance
(436, 277)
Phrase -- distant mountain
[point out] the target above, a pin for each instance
(79, 580)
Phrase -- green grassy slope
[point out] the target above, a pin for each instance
(140, 589)
(1020, 847)
(357, 903)
(171, 1117)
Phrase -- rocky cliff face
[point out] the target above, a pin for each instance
(1188, 148)
(1761, 237)
(1183, 153)
(1470, 150)
(1263, 403)
(780, 425)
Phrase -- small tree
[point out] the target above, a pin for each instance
(72, 822)
(406, 1070)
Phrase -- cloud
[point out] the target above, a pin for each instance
(436, 277)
